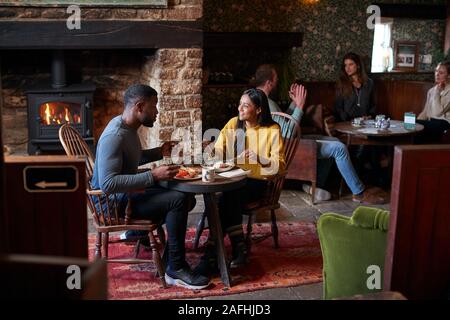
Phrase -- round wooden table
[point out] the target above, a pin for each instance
(368, 134)
(209, 189)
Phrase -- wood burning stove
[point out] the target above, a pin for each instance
(50, 106)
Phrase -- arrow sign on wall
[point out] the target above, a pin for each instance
(44, 184)
(50, 178)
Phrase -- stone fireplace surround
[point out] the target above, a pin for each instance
(176, 73)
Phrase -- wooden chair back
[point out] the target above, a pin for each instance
(105, 208)
(290, 131)
(301, 158)
(74, 145)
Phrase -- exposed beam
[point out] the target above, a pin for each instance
(96, 34)
(413, 11)
(252, 39)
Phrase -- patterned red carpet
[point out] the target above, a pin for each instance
(297, 261)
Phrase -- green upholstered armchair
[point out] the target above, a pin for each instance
(349, 247)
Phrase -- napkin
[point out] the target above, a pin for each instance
(234, 173)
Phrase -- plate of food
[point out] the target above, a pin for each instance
(189, 173)
(223, 166)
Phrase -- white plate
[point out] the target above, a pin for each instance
(218, 169)
(199, 176)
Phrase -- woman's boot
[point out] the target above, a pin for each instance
(239, 248)
(208, 262)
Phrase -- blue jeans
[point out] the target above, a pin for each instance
(329, 148)
(160, 204)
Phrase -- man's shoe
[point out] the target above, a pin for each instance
(371, 196)
(321, 194)
(186, 278)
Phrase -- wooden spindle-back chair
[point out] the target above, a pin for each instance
(290, 132)
(105, 209)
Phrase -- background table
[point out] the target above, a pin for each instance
(209, 189)
(368, 134)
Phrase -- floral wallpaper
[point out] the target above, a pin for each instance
(430, 34)
(330, 28)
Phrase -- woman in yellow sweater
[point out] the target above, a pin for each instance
(253, 141)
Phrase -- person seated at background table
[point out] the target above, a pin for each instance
(435, 116)
(354, 90)
(253, 140)
(327, 147)
(355, 99)
(118, 156)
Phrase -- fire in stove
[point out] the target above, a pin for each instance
(52, 105)
(57, 113)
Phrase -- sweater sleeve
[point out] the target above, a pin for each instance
(277, 160)
(110, 159)
(224, 146)
(295, 112)
(424, 114)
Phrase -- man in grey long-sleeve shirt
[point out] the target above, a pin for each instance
(119, 153)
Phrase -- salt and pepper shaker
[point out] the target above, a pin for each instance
(385, 123)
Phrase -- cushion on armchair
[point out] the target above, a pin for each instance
(349, 246)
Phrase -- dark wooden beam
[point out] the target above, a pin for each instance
(96, 34)
(252, 39)
(413, 11)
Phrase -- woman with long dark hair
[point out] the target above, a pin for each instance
(436, 114)
(253, 140)
(354, 94)
(354, 99)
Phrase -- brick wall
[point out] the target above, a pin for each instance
(176, 10)
(175, 73)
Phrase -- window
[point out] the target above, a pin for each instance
(382, 58)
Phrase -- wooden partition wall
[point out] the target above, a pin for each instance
(392, 97)
(417, 260)
(45, 212)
